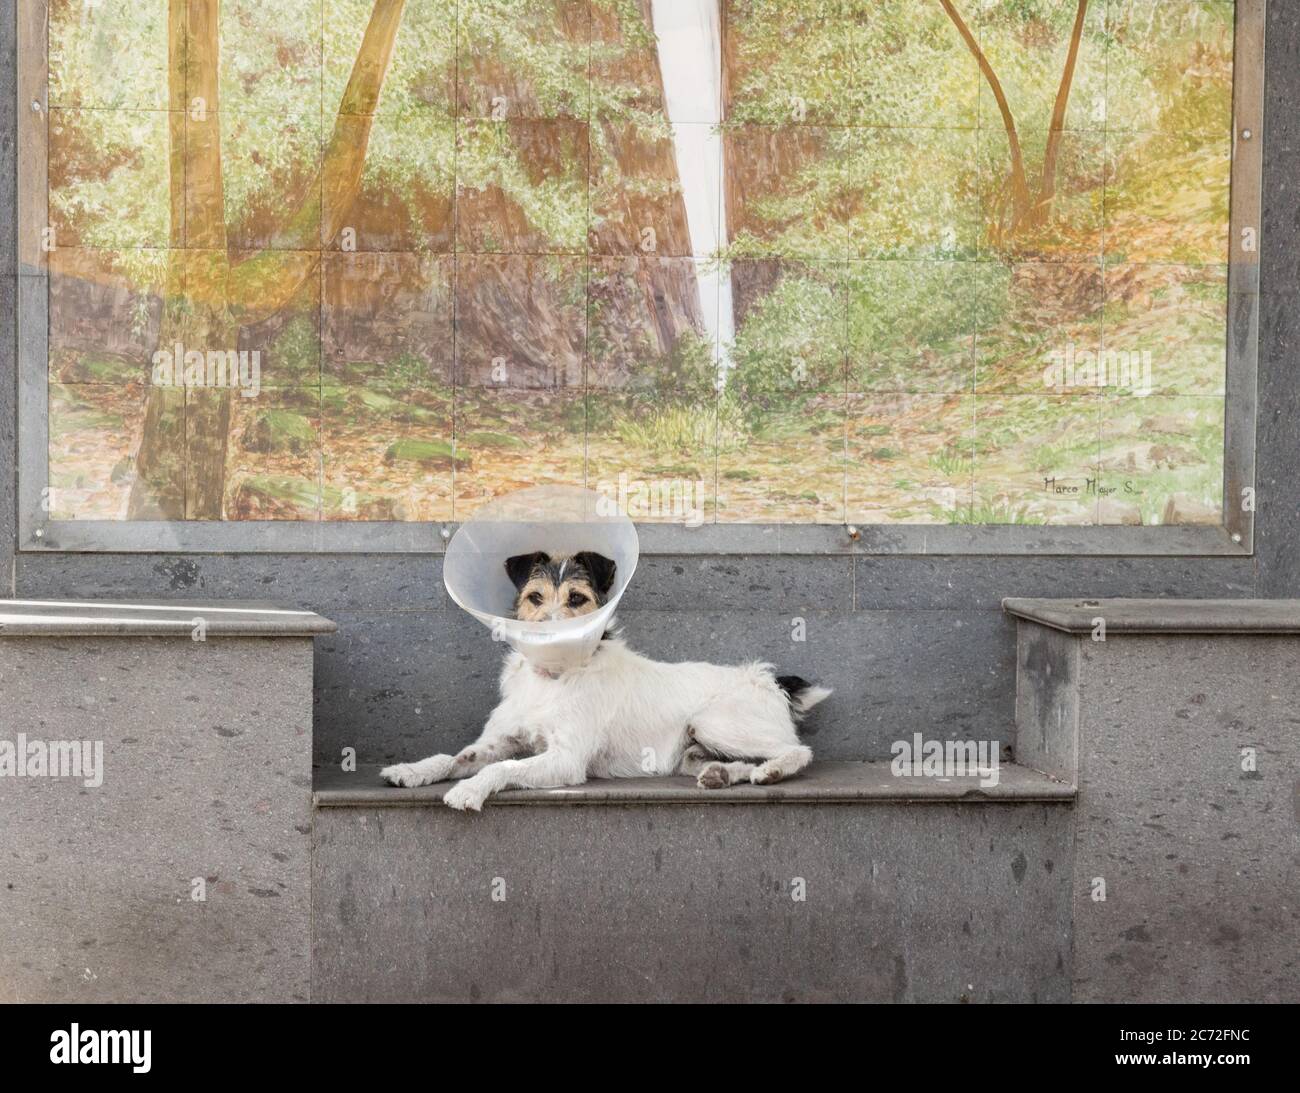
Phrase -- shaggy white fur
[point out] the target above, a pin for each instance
(623, 715)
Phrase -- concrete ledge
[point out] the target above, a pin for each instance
(1137, 616)
(156, 795)
(1178, 724)
(822, 783)
(159, 618)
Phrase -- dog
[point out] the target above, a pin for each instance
(621, 715)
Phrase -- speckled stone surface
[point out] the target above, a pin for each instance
(1201, 858)
(206, 776)
(1186, 752)
(693, 903)
(1047, 701)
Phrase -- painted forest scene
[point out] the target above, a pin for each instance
(827, 261)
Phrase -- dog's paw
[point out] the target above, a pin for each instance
(714, 776)
(435, 768)
(405, 774)
(465, 796)
(766, 773)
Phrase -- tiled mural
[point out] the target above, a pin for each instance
(804, 261)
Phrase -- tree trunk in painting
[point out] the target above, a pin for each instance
(207, 323)
(1027, 212)
(1047, 192)
(1019, 184)
(181, 462)
(174, 484)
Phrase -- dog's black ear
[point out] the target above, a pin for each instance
(520, 567)
(601, 569)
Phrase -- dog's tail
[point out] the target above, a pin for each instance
(801, 694)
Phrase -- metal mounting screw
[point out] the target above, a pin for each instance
(854, 533)
(1246, 134)
(36, 106)
(1236, 537)
(445, 533)
(40, 533)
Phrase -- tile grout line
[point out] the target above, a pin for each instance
(455, 252)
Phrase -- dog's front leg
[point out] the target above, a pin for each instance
(494, 745)
(551, 768)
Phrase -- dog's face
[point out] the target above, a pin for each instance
(559, 588)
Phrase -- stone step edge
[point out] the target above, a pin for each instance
(829, 782)
(114, 618)
(1159, 616)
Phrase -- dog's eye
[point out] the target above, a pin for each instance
(576, 599)
(535, 598)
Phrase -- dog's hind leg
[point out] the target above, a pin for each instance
(782, 765)
(731, 735)
(719, 775)
(709, 772)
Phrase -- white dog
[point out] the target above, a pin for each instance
(621, 715)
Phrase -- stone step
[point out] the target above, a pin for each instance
(843, 782)
(963, 898)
